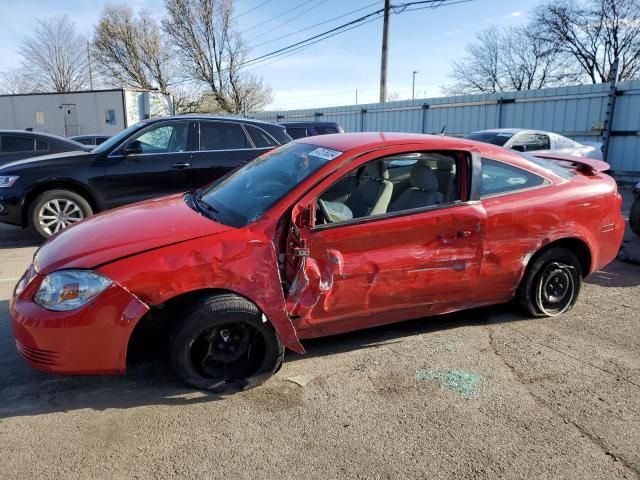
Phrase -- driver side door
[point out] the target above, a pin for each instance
(161, 164)
(386, 267)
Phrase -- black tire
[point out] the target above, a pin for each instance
(634, 217)
(201, 346)
(551, 283)
(81, 209)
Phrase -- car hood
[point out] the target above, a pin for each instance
(37, 161)
(123, 232)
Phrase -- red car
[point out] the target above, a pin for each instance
(320, 236)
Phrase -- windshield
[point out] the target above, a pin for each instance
(246, 194)
(117, 139)
(495, 138)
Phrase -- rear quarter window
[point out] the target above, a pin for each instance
(498, 177)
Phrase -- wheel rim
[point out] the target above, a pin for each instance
(231, 351)
(58, 214)
(555, 289)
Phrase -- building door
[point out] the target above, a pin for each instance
(71, 126)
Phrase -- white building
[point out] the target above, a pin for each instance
(100, 112)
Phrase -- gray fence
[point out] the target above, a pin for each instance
(578, 112)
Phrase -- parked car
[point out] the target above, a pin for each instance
(536, 141)
(321, 236)
(634, 213)
(150, 159)
(20, 144)
(310, 129)
(91, 140)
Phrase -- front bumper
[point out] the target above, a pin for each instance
(90, 340)
(11, 205)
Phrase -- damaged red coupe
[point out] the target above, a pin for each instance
(321, 236)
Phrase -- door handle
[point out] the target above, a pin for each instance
(180, 166)
(463, 233)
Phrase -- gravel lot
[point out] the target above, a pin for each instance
(484, 393)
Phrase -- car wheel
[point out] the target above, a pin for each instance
(551, 283)
(225, 344)
(634, 217)
(55, 210)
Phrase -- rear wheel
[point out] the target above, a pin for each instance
(55, 210)
(223, 344)
(551, 283)
(634, 217)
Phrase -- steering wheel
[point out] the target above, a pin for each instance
(325, 211)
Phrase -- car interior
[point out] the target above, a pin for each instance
(389, 185)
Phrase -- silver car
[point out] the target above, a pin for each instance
(524, 140)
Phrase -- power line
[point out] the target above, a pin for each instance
(277, 16)
(252, 9)
(316, 5)
(317, 24)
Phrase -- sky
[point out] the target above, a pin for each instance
(329, 72)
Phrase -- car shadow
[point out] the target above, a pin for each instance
(149, 380)
(616, 274)
(16, 237)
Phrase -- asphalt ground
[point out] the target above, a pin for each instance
(484, 393)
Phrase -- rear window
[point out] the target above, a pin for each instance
(495, 138)
(297, 132)
(11, 144)
(326, 130)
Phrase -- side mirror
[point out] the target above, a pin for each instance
(133, 147)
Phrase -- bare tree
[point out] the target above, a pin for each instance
(14, 82)
(55, 57)
(509, 59)
(213, 52)
(594, 35)
(130, 51)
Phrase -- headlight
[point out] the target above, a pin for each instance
(7, 181)
(25, 280)
(70, 289)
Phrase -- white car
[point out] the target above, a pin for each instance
(524, 140)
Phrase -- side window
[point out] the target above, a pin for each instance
(260, 138)
(530, 142)
(222, 136)
(42, 145)
(498, 177)
(165, 138)
(297, 132)
(391, 185)
(12, 144)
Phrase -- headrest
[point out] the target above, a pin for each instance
(446, 165)
(422, 177)
(377, 170)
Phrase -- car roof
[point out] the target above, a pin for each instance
(511, 130)
(311, 123)
(349, 141)
(36, 134)
(194, 116)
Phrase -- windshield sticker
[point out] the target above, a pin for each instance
(325, 153)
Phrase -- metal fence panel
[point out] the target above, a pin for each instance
(577, 112)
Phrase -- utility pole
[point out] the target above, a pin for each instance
(383, 62)
(413, 86)
(89, 60)
(611, 104)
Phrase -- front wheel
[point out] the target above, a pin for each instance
(634, 217)
(551, 283)
(225, 344)
(55, 210)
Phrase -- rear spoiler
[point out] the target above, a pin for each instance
(585, 165)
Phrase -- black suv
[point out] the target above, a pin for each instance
(311, 129)
(152, 158)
